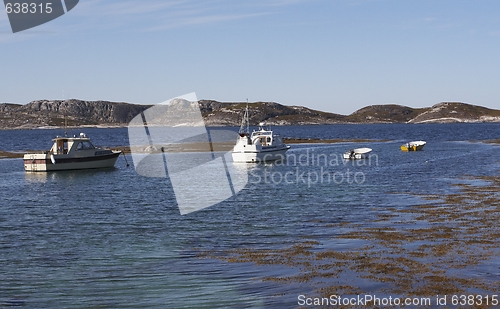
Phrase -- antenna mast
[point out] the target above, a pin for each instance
(245, 124)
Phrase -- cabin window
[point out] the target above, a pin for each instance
(61, 147)
(84, 145)
(268, 139)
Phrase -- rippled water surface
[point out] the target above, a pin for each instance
(113, 239)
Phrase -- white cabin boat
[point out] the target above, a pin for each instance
(70, 153)
(261, 146)
(357, 154)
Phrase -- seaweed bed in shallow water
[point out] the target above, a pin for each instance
(444, 246)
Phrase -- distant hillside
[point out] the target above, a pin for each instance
(48, 113)
(456, 112)
(217, 113)
(45, 113)
(384, 114)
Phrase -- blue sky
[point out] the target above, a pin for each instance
(335, 56)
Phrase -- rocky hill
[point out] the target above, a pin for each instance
(221, 114)
(217, 113)
(384, 114)
(456, 112)
(47, 113)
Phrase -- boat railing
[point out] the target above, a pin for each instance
(38, 152)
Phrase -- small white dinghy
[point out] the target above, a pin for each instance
(357, 154)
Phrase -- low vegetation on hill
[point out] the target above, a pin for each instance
(456, 112)
(385, 113)
(49, 113)
(45, 113)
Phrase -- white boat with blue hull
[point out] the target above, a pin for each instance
(70, 153)
(261, 146)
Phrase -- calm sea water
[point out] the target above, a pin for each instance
(113, 239)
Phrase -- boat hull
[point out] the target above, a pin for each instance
(412, 147)
(356, 156)
(46, 163)
(259, 156)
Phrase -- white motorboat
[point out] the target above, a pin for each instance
(357, 154)
(261, 146)
(70, 153)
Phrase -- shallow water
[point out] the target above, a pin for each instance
(111, 238)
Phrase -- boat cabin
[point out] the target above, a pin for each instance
(65, 145)
(263, 137)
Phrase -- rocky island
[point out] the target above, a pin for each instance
(55, 113)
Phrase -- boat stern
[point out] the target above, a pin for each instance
(36, 162)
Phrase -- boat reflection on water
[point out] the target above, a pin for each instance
(66, 176)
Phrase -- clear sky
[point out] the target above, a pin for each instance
(335, 56)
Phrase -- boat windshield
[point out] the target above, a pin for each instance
(85, 145)
(260, 133)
